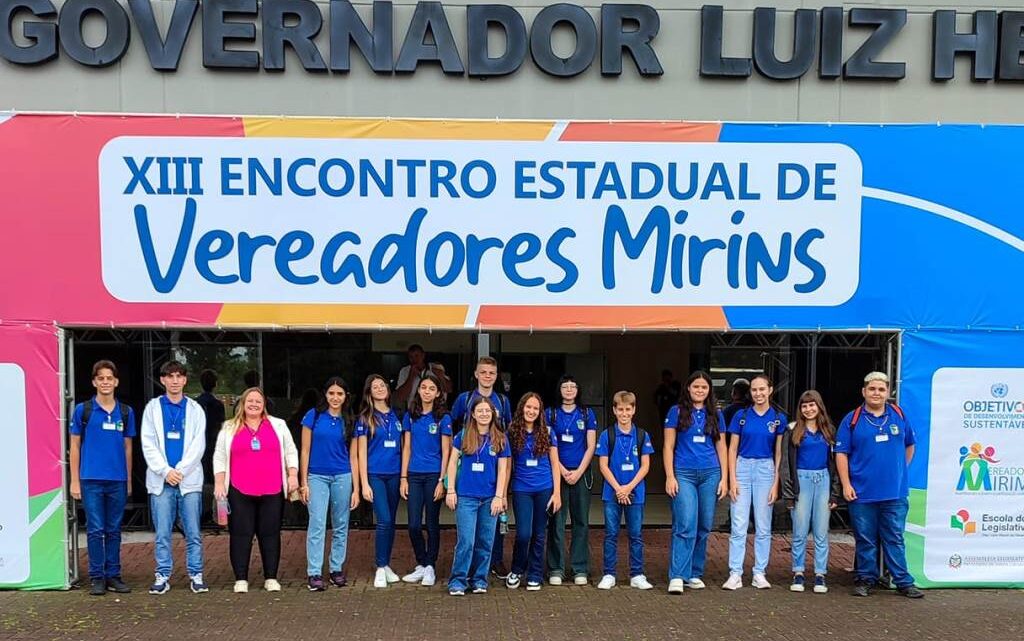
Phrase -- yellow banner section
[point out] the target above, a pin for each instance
(407, 129)
(362, 316)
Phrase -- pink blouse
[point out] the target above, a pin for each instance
(256, 461)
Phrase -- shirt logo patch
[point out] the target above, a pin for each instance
(894, 429)
(433, 428)
(579, 424)
(635, 452)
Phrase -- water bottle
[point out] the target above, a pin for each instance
(503, 523)
(223, 509)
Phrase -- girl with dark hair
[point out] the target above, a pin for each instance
(696, 478)
(535, 489)
(426, 446)
(755, 454)
(379, 431)
(474, 495)
(811, 488)
(327, 478)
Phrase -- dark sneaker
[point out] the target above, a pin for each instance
(115, 584)
(97, 587)
(338, 579)
(861, 589)
(315, 583)
(820, 587)
(911, 592)
(798, 583)
(499, 570)
(161, 585)
(512, 582)
(197, 584)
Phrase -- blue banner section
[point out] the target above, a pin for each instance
(941, 236)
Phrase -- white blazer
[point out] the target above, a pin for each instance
(152, 437)
(289, 453)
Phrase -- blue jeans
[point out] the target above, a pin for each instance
(882, 520)
(755, 477)
(167, 507)
(475, 536)
(693, 514)
(530, 509)
(634, 521)
(421, 499)
(811, 513)
(104, 503)
(385, 506)
(335, 490)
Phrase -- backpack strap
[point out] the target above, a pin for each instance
(641, 438)
(898, 410)
(855, 417)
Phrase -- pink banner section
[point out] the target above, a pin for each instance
(34, 349)
(50, 196)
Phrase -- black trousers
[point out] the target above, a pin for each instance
(258, 516)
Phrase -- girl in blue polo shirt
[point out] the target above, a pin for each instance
(480, 454)
(575, 430)
(379, 431)
(535, 489)
(755, 453)
(325, 468)
(811, 487)
(696, 463)
(427, 441)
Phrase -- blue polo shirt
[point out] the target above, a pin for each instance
(478, 473)
(877, 451)
(102, 454)
(426, 431)
(174, 429)
(813, 452)
(460, 408)
(695, 450)
(624, 454)
(384, 449)
(570, 430)
(532, 473)
(328, 451)
(758, 432)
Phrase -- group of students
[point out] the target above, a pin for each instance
(481, 457)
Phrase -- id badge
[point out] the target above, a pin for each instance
(110, 427)
(628, 467)
(531, 462)
(391, 443)
(700, 438)
(567, 438)
(174, 436)
(477, 467)
(255, 444)
(881, 438)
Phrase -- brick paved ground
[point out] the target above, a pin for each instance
(571, 613)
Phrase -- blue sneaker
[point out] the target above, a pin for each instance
(161, 585)
(197, 585)
(819, 584)
(798, 583)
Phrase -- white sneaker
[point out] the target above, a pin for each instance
(607, 582)
(390, 575)
(380, 579)
(580, 579)
(640, 582)
(241, 587)
(415, 576)
(429, 578)
(734, 582)
(554, 579)
(675, 586)
(271, 585)
(760, 582)
(695, 584)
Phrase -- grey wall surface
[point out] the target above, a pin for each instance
(131, 85)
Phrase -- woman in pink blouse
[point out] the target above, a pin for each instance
(256, 465)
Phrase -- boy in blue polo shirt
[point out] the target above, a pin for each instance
(101, 475)
(624, 465)
(874, 446)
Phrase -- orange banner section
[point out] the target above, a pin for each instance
(598, 318)
(642, 132)
(362, 316)
(398, 129)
